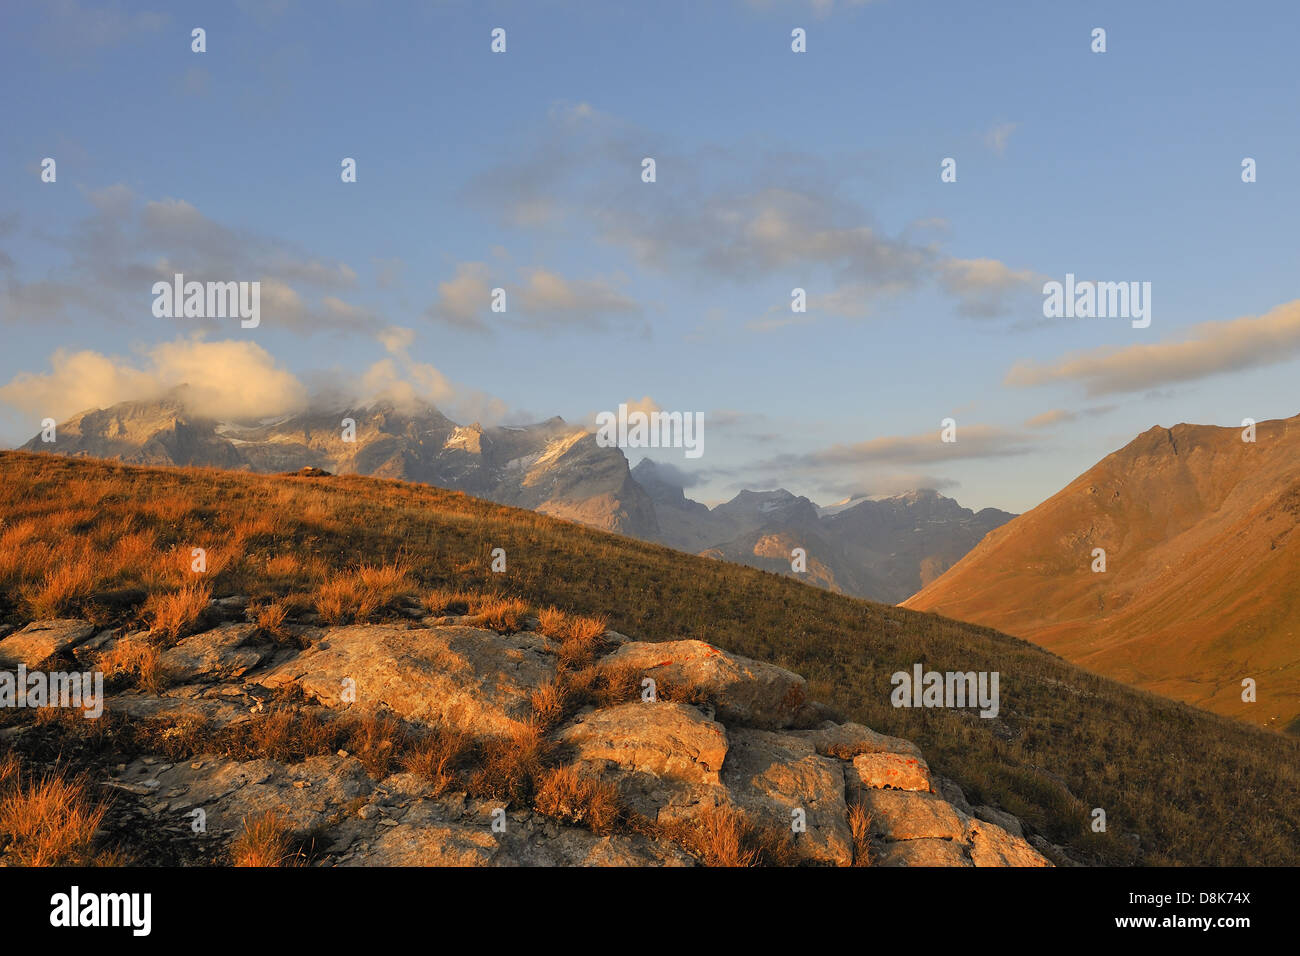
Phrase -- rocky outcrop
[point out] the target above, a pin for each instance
(745, 691)
(225, 652)
(781, 782)
(473, 680)
(42, 639)
(665, 759)
(588, 780)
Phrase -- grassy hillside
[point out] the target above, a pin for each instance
(1202, 554)
(1193, 787)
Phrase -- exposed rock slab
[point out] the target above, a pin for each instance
(953, 793)
(219, 713)
(990, 845)
(459, 832)
(42, 639)
(923, 852)
(225, 652)
(665, 758)
(907, 815)
(1003, 819)
(308, 795)
(897, 771)
(769, 775)
(476, 680)
(846, 741)
(746, 692)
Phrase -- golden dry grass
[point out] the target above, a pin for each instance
(549, 702)
(265, 840)
(1197, 789)
(860, 831)
(718, 837)
(289, 736)
(567, 796)
(377, 740)
(51, 821)
(579, 637)
(507, 768)
(355, 596)
(563, 626)
(270, 617)
(63, 588)
(137, 659)
(435, 756)
(10, 772)
(445, 601)
(174, 613)
(501, 614)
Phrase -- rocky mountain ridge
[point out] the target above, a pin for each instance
(883, 549)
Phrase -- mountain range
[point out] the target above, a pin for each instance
(1194, 525)
(883, 548)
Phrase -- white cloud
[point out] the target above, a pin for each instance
(983, 286)
(548, 295)
(116, 255)
(541, 299)
(463, 300)
(1210, 348)
(228, 379)
(408, 382)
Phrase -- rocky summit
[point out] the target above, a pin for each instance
(646, 754)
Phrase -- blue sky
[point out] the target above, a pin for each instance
(775, 170)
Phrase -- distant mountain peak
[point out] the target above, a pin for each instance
(1190, 518)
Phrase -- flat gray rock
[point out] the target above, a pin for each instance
(475, 680)
(43, 639)
(769, 775)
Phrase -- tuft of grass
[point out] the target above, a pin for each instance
(502, 614)
(357, 596)
(137, 659)
(63, 589)
(860, 831)
(567, 796)
(48, 822)
(604, 686)
(550, 703)
(436, 756)
(719, 838)
(10, 771)
(271, 617)
(289, 736)
(579, 636)
(172, 614)
(377, 740)
(724, 836)
(508, 767)
(444, 601)
(563, 626)
(266, 840)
